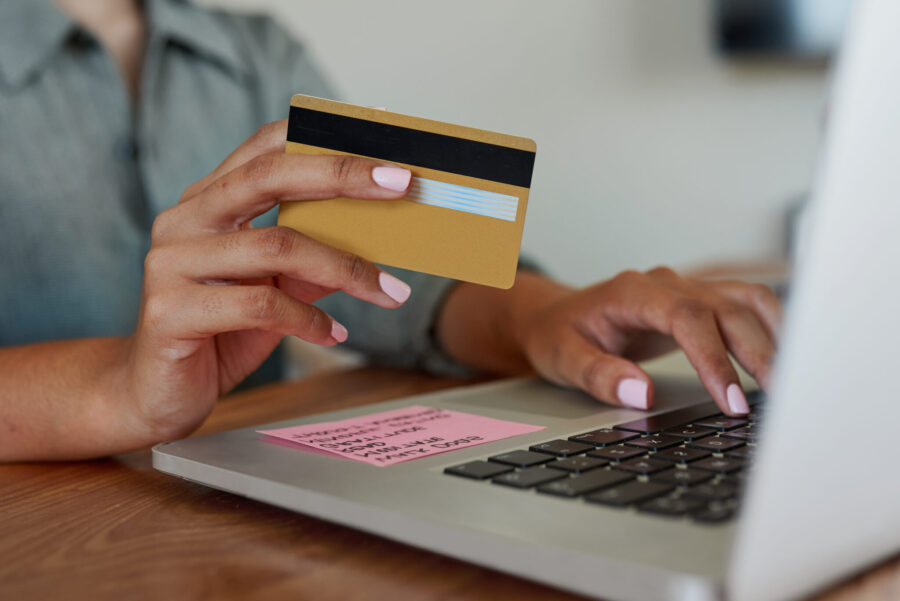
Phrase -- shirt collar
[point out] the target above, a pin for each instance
(203, 31)
(32, 31)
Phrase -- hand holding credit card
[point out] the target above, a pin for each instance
(465, 210)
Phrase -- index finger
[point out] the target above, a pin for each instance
(695, 328)
(269, 179)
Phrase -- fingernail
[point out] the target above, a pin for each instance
(396, 289)
(736, 399)
(392, 178)
(338, 332)
(633, 393)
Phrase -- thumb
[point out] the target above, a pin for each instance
(609, 378)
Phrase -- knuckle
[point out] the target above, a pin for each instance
(156, 261)
(763, 293)
(342, 169)
(662, 272)
(352, 267)
(265, 133)
(156, 311)
(188, 192)
(691, 309)
(592, 374)
(724, 367)
(268, 138)
(261, 305)
(162, 226)
(229, 242)
(733, 312)
(316, 323)
(760, 361)
(260, 169)
(277, 242)
(629, 277)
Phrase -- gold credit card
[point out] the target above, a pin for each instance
(465, 210)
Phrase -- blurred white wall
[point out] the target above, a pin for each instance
(651, 149)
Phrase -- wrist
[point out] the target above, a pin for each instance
(530, 296)
(118, 405)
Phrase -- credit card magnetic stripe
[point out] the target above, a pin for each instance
(411, 146)
(462, 198)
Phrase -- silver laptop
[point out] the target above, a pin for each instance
(822, 500)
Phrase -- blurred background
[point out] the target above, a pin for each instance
(679, 133)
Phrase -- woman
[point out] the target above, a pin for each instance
(133, 298)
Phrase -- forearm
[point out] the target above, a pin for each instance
(59, 400)
(480, 326)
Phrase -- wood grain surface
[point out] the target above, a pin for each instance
(117, 529)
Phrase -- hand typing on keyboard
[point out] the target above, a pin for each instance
(591, 338)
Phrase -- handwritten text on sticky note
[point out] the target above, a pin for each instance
(399, 435)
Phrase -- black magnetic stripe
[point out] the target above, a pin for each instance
(411, 146)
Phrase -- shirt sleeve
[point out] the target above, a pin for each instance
(405, 336)
(402, 337)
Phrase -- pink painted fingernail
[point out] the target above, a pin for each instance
(338, 332)
(396, 289)
(392, 178)
(736, 399)
(633, 392)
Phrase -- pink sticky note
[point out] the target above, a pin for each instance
(400, 435)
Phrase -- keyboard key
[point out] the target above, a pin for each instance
(747, 434)
(617, 453)
(689, 432)
(672, 506)
(654, 442)
(679, 417)
(714, 515)
(710, 492)
(478, 470)
(643, 466)
(529, 477)
(715, 464)
(562, 448)
(683, 477)
(716, 445)
(584, 483)
(744, 452)
(522, 458)
(578, 464)
(682, 454)
(722, 423)
(604, 437)
(629, 494)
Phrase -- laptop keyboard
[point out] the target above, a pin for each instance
(687, 462)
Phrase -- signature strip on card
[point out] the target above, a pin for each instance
(462, 198)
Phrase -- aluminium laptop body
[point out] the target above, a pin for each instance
(823, 498)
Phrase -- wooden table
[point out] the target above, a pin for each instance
(117, 529)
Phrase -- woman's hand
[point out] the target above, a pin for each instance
(591, 338)
(219, 295)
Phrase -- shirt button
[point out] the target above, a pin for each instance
(126, 149)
